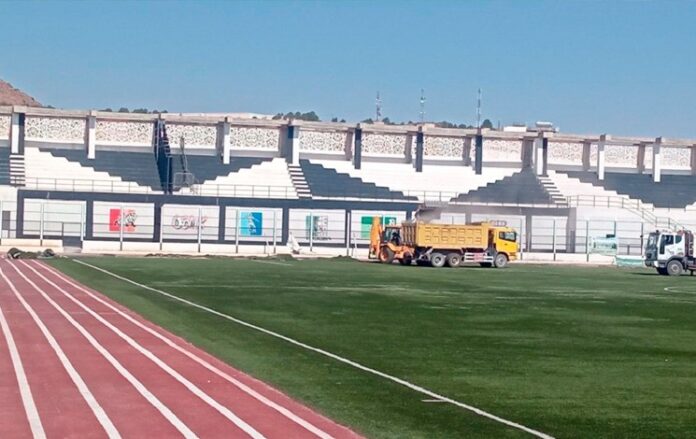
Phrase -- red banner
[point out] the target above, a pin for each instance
(129, 217)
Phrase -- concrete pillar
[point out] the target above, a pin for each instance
(478, 154)
(292, 145)
(571, 230)
(357, 148)
(419, 150)
(693, 160)
(225, 141)
(91, 136)
(527, 153)
(528, 233)
(601, 155)
(586, 152)
(222, 222)
(657, 161)
(540, 154)
(15, 130)
(640, 159)
(466, 152)
(157, 222)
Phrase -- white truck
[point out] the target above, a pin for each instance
(671, 253)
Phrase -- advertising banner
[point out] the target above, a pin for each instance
(317, 226)
(129, 220)
(251, 223)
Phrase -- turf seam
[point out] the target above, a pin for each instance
(331, 355)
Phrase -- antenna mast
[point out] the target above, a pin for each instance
(378, 110)
(422, 106)
(478, 110)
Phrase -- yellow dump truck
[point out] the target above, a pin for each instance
(452, 244)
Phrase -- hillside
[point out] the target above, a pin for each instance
(12, 96)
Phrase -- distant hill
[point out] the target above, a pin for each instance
(12, 96)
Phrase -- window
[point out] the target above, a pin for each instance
(508, 236)
(665, 241)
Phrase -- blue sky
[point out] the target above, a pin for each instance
(590, 67)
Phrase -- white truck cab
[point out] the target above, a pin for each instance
(671, 253)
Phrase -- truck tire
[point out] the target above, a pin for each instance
(674, 268)
(662, 271)
(386, 255)
(454, 259)
(437, 260)
(500, 260)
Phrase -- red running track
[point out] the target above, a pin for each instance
(75, 364)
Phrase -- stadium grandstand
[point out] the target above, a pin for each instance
(108, 181)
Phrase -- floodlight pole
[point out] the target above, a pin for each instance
(311, 232)
(236, 232)
(275, 233)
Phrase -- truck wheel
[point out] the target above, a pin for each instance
(406, 259)
(437, 260)
(454, 259)
(662, 271)
(674, 268)
(386, 255)
(500, 260)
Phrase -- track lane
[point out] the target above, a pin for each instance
(16, 406)
(62, 409)
(201, 413)
(249, 398)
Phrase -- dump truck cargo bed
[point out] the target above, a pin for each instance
(446, 236)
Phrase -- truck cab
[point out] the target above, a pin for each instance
(670, 253)
(504, 240)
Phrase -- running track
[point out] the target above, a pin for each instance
(74, 364)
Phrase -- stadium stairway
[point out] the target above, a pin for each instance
(17, 170)
(299, 182)
(243, 177)
(329, 183)
(521, 188)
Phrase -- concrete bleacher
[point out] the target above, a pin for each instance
(328, 182)
(435, 182)
(111, 171)
(208, 168)
(4, 166)
(523, 187)
(672, 192)
(244, 177)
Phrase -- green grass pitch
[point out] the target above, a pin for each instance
(569, 351)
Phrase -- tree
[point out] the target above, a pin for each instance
(487, 124)
(123, 110)
(140, 110)
(343, 121)
(368, 120)
(278, 116)
(107, 110)
(334, 119)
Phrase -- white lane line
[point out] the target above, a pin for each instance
(279, 408)
(92, 402)
(24, 390)
(152, 399)
(227, 413)
(352, 363)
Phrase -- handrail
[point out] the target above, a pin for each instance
(635, 206)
